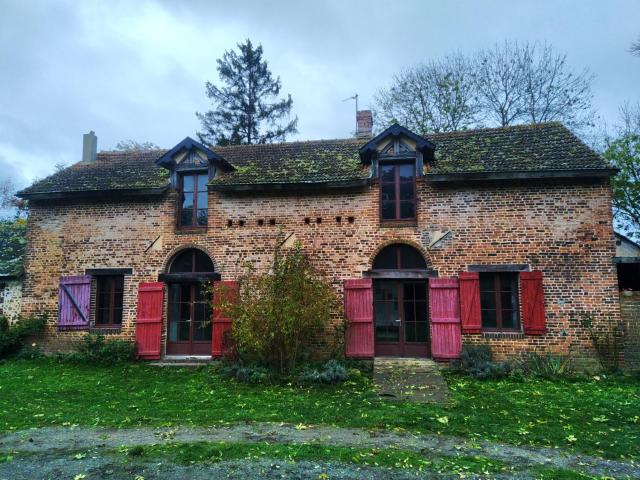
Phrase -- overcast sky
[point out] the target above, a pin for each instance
(137, 69)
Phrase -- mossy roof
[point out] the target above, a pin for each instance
(525, 148)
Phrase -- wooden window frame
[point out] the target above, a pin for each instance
(110, 282)
(180, 182)
(397, 202)
(497, 287)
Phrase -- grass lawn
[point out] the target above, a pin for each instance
(599, 417)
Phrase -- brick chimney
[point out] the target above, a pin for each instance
(89, 147)
(364, 123)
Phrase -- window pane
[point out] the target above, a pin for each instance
(117, 316)
(203, 264)
(411, 258)
(182, 264)
(489, 319)
(487, 282)
(409, 314)
(202, 216)
(406, 191)
(388, 210)
(387, 173)
(202, 183)
(387, 259)
(387, 192)
(409, 332)
(187, 183)
(421, 332)
(487, 300)
(421, 312)
(407, 210)
(183, 331)
(509, 318)
(406, 172)
(202, 200)
(186, 218)
(185, 296)
(187, 201)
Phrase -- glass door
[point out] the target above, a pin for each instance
(190, 326)
(401, 318)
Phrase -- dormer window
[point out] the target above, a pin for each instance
(398, 191)
(192, 165)
(193, 205)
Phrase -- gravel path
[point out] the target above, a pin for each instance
(53, 448)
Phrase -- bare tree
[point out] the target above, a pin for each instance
(499, 77)
(551, 91)
(131, 145)
(531, 83)
(635, 48)
(438, 96)
(630, 119)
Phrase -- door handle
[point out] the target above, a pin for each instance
(397, 320)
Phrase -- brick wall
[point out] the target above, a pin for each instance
(630, 311)
(563, 230)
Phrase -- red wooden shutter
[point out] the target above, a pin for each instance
(471, 320)
(532, 299)
(358, 309)
(446, 340)
(149, 321)
(222, 324)
(74, 301)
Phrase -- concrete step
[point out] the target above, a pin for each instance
(183, 361)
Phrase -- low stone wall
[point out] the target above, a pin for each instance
(630, 313)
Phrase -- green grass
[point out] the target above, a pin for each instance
(213, 452)
(596, 417)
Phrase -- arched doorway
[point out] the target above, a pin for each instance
(400, 300)
(189, 330)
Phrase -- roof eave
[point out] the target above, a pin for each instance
(128, 192)
(520, 175)
(290, 186)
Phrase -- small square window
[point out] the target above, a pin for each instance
(109, 300)
(499, 301)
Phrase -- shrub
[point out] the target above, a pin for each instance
(330, 372)
(545, 366)
(477, 361)
(246, 373)
(473, 355)
(276, 314)
(608, 344)
(96, 349)
(13, 336)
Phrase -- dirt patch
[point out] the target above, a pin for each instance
(51, 445)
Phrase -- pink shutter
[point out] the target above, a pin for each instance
(222, 342)
(446, 340)
(358, 309)
(149, 321)
(470, 302)
(532, 298)
(74, 301)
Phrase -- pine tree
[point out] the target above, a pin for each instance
(246, 109)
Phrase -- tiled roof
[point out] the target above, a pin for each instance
(293, 162)
(110, 171)
(525, 148)
(521, 148)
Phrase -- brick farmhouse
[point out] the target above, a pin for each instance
(502, 236)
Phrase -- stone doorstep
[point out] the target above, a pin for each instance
(183, 361)
(410, 379)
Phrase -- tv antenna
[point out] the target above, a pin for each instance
(354, 97)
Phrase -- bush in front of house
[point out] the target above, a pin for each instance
(477, 361)
(544, 366)
(277, 315)
(246, 373)
(97, 349)
(329, 373)
(13, 336)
